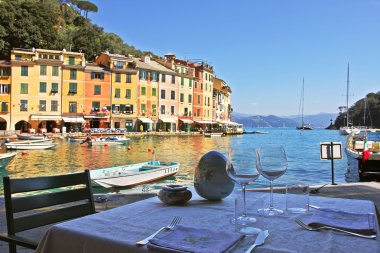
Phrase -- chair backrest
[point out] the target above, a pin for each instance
(40, 207)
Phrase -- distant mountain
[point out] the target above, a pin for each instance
(263, 121)
(321, 120)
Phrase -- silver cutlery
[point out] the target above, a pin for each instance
(307, 227)
(259, 240)
(174, 222)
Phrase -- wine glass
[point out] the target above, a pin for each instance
(243, 172)
(272, 163)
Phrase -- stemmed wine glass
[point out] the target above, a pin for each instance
(243, 172)
(272, 163)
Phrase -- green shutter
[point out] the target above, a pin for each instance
(42, 87)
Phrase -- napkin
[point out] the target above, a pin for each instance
(188, 239)
(363, 223)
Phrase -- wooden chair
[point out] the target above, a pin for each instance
(41, 208)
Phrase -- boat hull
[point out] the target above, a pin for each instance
(30, 137)
(30, 145)
(132, 175)
(213, 134)
(5, 159)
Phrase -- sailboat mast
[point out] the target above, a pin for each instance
(303, 89)
(347, 94)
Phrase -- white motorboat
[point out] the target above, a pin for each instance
(108, 141)
(26, 136)
(133, 174)
(5, 159)
(33, 144)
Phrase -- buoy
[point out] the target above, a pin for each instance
(24, 153)
(149, 150)
(106, 145)
(129, 148)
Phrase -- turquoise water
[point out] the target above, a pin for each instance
(302, 148)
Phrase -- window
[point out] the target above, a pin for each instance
(97, 90)
(143, 109)
(129, 78)
(128, 94)
(95, 106)
(23, 105)
(73, 88)
(172, 110)
(4, 106)
(119, 64)
(199, 112)
(18, 57)
(72, 106)
(117, 77)
(190, 83)
(206, 86)
(71, 60)
(42, 87)
(153, 76)
(154, 107)
(154, 92)
(173, 78)
(190, 99)
(196, 85)
(24, 88)
(142, 75)
(42, 106)
(163, 78)
(5, 71)
(24, 70)
(182, 81)
(97, 75)
(43, 70)
(163, 94)
(206, 76)
(143, 91)
(172, 95)
(208, 99)
(55, 71)
(73, 74)
(162, 109)
(201, 86)
(117, 93)
(54, 88)
(182, 97)
(186, 111)
(54, 105)
(199, 99)
(4, 88)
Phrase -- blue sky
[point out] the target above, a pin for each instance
(262, 48)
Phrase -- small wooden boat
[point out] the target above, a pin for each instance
(108, 141)
(5, 158)
(26, 136)
(33, 144)
(133, 174)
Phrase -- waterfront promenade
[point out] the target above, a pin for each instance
(361, 190)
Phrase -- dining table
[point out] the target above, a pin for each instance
(118, 229)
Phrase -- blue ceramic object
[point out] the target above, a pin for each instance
(174, 194)
(210, 178)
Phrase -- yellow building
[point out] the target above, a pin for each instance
(5, 96)
(123, 90)
(73, 80)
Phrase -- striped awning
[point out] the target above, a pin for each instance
(73, 119)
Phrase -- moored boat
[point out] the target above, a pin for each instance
(356, 146)
(5, 158)
(33, 144)
(26, 136)
(213, 134)
(133, 174)
(109, 141)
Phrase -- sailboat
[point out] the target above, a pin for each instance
(348, 129)
(303, 126)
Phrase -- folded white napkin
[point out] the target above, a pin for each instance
(187, 239)
(355, 222)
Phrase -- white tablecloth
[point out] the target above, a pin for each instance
(118, 229)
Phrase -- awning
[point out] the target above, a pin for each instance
(145, 120)
(186, 121)
(94, 117)
(231, 123)
(73, 119)
(45, 117)
(203, 122)
(169, 120)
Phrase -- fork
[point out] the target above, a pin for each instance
(307, 227)
(174, 222)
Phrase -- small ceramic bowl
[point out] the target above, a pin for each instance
(174, 194)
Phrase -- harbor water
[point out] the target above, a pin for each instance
(302, 149)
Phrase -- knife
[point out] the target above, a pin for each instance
(259, 240)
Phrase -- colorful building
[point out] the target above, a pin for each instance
(5, 94)
(124, 106)
(221, 101)
(97, 96)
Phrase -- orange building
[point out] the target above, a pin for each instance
(97, 96)
(5, 96)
